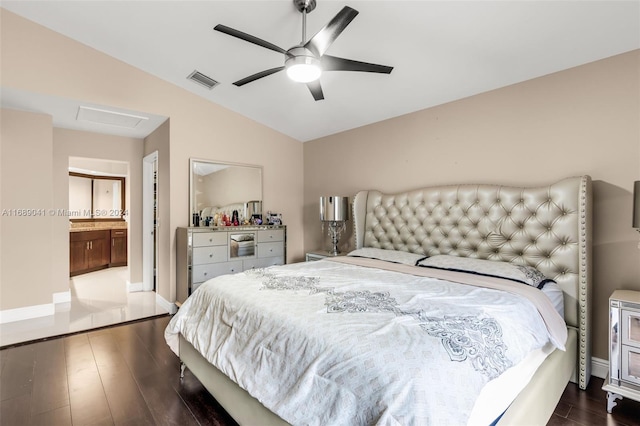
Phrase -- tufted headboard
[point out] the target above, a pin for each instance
(547, 227)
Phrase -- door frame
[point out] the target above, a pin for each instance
(149, 218)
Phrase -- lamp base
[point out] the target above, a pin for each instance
(335, 228)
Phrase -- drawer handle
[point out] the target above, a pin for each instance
(233, 270)
(205, 273)
(211, 255)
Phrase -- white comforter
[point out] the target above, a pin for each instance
(325, 343)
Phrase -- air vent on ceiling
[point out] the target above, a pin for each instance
(200, 78)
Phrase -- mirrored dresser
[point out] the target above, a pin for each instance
(623, 379)
(207, 252)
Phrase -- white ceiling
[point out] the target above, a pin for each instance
(66, 113)
(441, 50)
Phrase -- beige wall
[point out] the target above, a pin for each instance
(26, 246)
(198, 129)
(73, 143)
(218, 188)
(585, 120)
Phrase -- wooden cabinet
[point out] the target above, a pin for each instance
(78, 256)
(93, 250)
(623, 379)
(118, 247)
(89, 251)
(205, 253)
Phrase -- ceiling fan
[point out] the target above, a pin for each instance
(306, 61)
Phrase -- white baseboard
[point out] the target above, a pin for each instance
(133, 287)
(599, 367)
(171, 307)
(62, 297)
(35, 311)
(28, 312)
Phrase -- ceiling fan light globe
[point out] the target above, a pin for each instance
(303, 69)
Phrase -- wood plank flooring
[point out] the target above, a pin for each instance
(127, 375)
(123, 375)
(589, 407)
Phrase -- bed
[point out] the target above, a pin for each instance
(344, 365)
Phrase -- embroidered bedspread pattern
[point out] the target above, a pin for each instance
(325, 343)
(555, 324)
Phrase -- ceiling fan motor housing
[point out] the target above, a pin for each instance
(305, 5)
(301, 52)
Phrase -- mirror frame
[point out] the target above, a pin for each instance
(192, 161)
(123, 197)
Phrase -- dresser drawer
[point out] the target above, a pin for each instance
(271, 235)
(201, 239)
(631, 365)
(115, 233)
(630, 324)
(204, 272)
(263, 262)
(270, 249)
(209, 254)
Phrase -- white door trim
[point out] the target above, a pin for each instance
(149, 163)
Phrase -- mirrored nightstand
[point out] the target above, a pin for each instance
(318, 254)
(623, 379)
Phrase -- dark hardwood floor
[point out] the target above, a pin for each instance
(124, 375)
(589, 407)
(127, 375)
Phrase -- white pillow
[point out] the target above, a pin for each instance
(555, 294)
(519, 273)
(394, 256)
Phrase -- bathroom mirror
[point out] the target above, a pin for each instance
(96, 198)
(224, 187)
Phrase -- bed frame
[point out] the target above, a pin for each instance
(547, 227)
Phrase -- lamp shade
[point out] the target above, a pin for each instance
(334, 209)
(636, 204)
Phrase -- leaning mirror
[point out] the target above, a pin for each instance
(223, 188)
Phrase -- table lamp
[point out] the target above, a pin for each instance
(335, 212)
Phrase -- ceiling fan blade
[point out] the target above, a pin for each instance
(333, 63)
(249, 38)
(316, 90)
(319, 43)
(257, 76)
